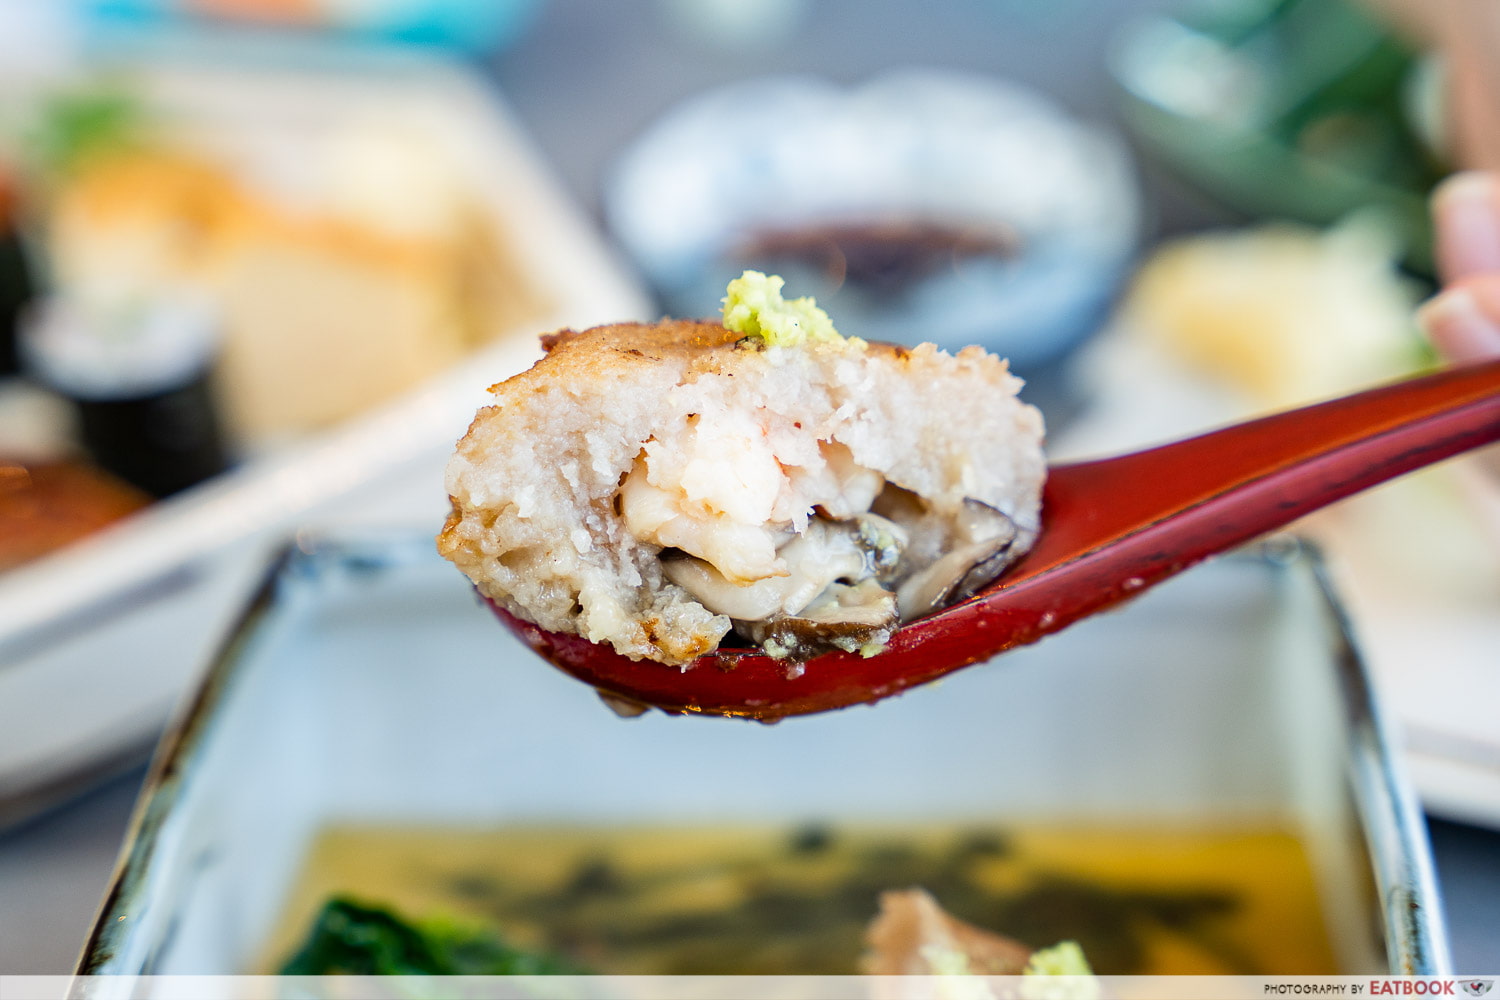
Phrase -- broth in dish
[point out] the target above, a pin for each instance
(735, 900)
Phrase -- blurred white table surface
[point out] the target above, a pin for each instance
(588, 77)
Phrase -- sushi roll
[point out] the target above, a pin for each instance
(658, 486)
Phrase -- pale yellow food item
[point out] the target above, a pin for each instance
(326, 306)
(1282, 314)
(648, 486)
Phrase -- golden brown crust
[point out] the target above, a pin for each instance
(617, 347)
(614, 349)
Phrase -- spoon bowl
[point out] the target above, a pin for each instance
(1110, 529)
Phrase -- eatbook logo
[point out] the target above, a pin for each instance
(1476, 987)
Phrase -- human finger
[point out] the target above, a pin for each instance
(1463, 321)
(1466, 215)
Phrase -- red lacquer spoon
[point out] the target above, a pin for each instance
(1110, 529)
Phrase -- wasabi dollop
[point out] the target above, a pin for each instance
(1062, 959)
(755, 307)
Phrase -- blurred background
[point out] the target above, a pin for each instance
(258, 259)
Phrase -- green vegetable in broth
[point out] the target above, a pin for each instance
(353, 938)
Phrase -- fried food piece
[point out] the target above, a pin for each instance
(654, 486)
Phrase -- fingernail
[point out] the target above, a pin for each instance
(1467, 210)
(1459, 327)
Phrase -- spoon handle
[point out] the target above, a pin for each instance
(1181, 502)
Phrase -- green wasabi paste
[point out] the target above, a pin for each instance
(754, 306)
